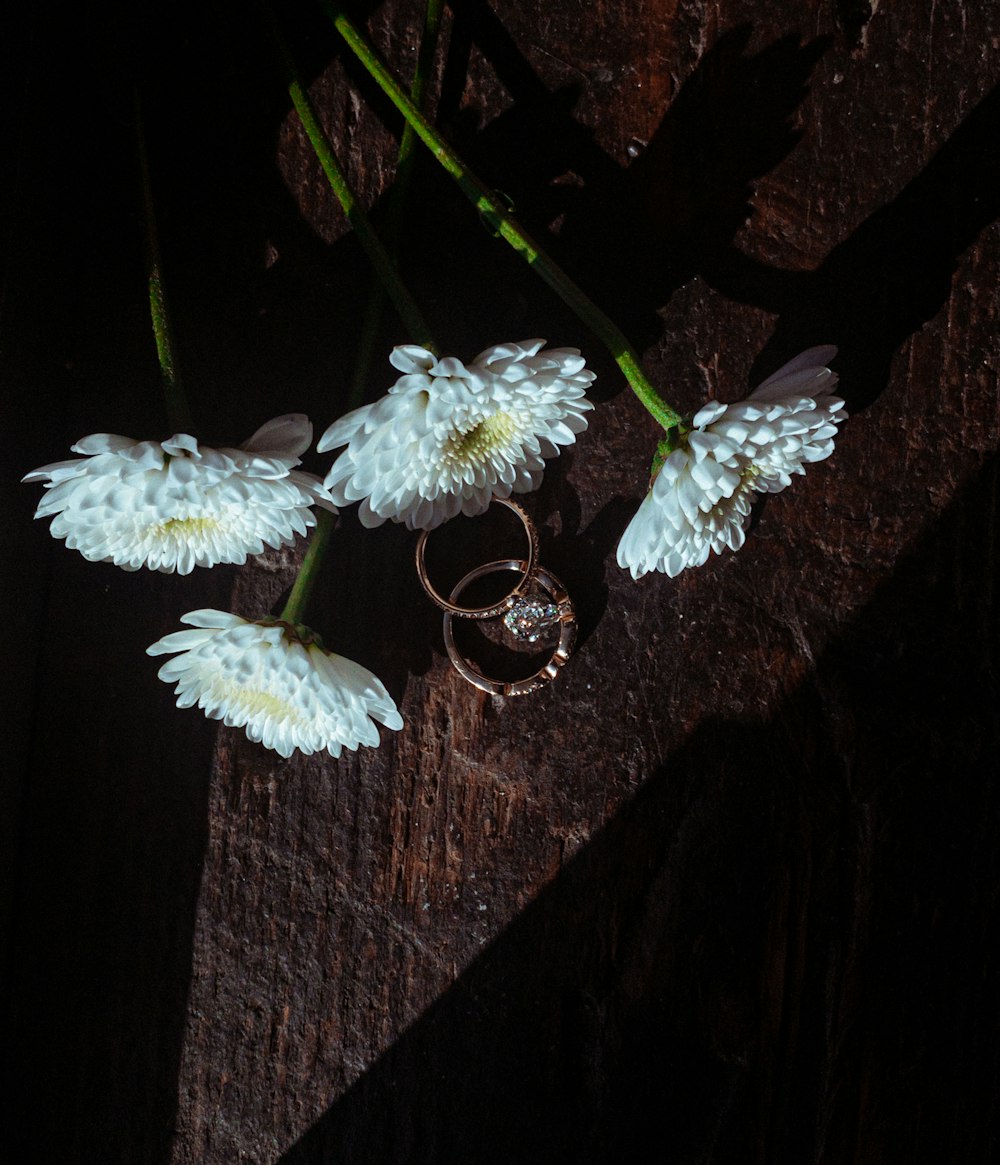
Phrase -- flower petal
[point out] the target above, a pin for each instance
(448, 437)
(286, 692)
(288, 436)
(175, 505)
(700, 501)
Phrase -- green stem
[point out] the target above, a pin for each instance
(305, 580)
(396, 200)
(178, 410)
(499, 218)
(403, 302)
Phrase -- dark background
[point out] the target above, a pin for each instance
(727, 891)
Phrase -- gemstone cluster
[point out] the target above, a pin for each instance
(530, 617)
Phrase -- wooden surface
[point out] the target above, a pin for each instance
(727, 891)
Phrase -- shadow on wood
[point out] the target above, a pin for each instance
(779, 951)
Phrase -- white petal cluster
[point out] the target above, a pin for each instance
(174, 505)
(700, 500)
(276, 682)
(449, 436)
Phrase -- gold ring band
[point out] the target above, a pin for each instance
(504, 604)
(562, 613)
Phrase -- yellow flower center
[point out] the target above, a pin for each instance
(184, 527)
(475, 443)
(257, 703)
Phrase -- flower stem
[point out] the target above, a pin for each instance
(305, 580)
(402, 300)
(396, 199)
(502, 221)
(178, 410)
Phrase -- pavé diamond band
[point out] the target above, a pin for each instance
(528, 618)
(537, 607)
(494, 609)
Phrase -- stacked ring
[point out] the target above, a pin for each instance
(536, 605)
(526, 618)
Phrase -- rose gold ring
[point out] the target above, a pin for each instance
(494, 609)
(528, 617)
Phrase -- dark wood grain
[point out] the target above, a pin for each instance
(727, 890)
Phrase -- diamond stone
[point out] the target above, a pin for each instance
(530, 617)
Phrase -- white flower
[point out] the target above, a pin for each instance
(174, 505)
(448, 436)
(275, 681)
(700, 499)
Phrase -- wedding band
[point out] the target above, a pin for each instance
(494, 609)
(526, 617)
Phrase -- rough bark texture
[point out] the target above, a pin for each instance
(726, 891)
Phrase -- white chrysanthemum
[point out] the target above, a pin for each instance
(174, 505)
(275, 681)
(700, 500)
(448, 436)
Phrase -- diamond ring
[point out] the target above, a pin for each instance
(528, 617)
